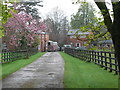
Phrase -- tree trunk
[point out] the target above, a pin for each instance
(27, 54)
(116, 41)
(112, 26)
(115, 32)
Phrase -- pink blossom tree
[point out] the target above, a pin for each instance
(22, 29)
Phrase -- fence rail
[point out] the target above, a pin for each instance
(10, 56)
(106, 60)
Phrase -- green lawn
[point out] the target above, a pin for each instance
(81, 74)
(11, 67)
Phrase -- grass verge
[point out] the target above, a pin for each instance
(81, 74)
(11, 67)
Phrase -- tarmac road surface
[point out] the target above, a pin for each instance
(45, 72)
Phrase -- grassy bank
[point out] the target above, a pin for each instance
(11, 67)
(81, 74)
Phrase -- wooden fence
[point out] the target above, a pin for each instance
(10, 56)
(106, 60)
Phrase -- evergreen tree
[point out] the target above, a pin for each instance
(30, 8)
(84, 16)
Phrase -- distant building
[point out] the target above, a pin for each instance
(44, 38)
(105, 44)
(73, 41)
(102, 42)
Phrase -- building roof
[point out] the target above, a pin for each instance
(106, 41)
(73, 31)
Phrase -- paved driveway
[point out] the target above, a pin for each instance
(45, 72)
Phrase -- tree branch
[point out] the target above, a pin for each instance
(116, 10)
(107, 19)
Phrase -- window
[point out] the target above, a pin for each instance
(78, 44)
(83, 36)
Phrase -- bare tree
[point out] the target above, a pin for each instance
(57, 24)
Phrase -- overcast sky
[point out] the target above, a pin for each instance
(65, 5)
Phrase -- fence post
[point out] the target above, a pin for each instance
(87, 56)
(116, 65)
(92, 56)
(90, 52)
(110, 62)
(102, 58)
(105, 61)
(98, 57)
(7, 53)
(79, 54)
(82, 54)
(95, 57)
